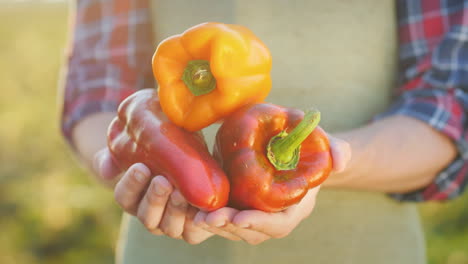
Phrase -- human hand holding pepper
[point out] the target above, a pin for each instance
(161, 217)
(137, 193)
(255, 226)
(152, 199)
(141, 134)
(273, 156)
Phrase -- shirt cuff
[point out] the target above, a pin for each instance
(441, 110)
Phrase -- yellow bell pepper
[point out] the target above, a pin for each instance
(210, 71)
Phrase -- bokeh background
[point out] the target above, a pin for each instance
(51, 211)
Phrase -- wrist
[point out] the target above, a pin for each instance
(90, 135)
(357, 162)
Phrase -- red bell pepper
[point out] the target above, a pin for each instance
(272, 156)
(142, 133)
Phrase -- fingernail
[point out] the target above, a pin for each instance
(159, 190)
(139, 176)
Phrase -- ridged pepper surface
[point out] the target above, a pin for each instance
(210, 71)
(141, 133)
(272, 156)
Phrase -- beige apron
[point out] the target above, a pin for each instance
(338, 56)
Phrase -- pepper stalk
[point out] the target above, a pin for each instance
(198, 78)
(283, 150)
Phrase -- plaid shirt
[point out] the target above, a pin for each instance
(111, 50)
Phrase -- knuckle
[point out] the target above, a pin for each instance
(173, 233)
(156, 232)
(117, 196)
(153, 199)
(169, 231)
(190, 228)
(122, 201)
(126, 205)
(164, 229)
(191, 240)
(150, 225)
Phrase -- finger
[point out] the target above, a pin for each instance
(220, 217)
(192, 233)
(200, 222)
(304, 208)
(341, 153)
(153, 204)
(104, 166)
(278, 224)
(221, 233)
(250, 236)
(172, 222)
(222, 220)
(131, 187)
(270, 224)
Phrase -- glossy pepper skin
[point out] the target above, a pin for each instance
(142, 133)
(209, 71)
(242, 149)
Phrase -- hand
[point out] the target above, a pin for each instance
(153, 200)
(254, 226)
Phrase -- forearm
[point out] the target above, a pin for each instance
(397, 154)
(91, 83)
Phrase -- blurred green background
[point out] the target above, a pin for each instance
(50, 209)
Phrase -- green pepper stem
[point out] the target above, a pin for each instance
(283, 150)
(198, 78)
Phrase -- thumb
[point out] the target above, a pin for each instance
(341, 153)
(104, 166)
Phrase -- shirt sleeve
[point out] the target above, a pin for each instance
(433, 64)
(109, 58)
